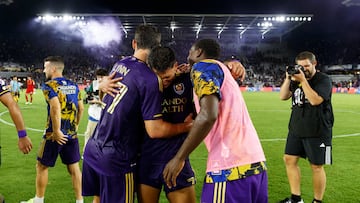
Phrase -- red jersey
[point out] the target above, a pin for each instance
(30, 86)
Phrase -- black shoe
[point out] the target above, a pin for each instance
(289, 200)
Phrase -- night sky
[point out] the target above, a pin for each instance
(330, 18)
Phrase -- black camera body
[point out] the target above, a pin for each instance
(91, 96)
(291, 70)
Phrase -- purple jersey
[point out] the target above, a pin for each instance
(177, 104)
(116, 141)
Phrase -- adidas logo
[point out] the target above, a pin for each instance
(322, 145)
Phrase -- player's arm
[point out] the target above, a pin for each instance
(162, 129)
(203, 123)
(55, 115)
(24, 142)
(80, 112)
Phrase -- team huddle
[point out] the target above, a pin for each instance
(154, 112)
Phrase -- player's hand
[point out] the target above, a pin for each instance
(183, 68)
(59, 137)
(237, 70)
(110, 85)
(172, 170)
(25, 144)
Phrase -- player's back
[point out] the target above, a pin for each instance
(116, 140)
(68, 94)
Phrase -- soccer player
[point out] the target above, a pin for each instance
(30, 87)
(310, 125)
(15, 88)
(177, 104)
(111, 154)
(236, 170)
(65, 109)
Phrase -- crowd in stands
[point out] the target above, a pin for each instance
(265, 62)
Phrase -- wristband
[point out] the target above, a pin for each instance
(21, 133)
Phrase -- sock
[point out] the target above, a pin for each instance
(316, 201)
(296, 198)
(79, 201)
(38, 199)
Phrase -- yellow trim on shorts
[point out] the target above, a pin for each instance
(129, 187)
(219, 192)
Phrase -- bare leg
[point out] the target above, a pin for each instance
(96, 199)
(319, 181)
(148, 194)
(41, 179)
(293, 173)
(75, 173)
(184, 195)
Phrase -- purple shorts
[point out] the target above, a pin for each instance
(49, 151)
(119, 189)
(252, 189)
(152, 174)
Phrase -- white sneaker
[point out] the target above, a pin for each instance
(29, 201)
(289, 200)
(26, 102)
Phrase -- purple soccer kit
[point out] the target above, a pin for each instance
(113, 149)
(177, 104)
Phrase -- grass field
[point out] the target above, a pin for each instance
(270, 117)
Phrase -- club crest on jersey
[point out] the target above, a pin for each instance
(179, 88)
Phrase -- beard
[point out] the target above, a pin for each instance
(308, 74)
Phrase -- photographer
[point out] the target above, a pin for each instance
(94, 102)
(310, 125)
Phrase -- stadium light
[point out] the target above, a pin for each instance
(225, 25)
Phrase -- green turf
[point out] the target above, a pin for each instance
(269, 115)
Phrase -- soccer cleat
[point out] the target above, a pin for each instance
(29, 201)
(289, 200)
(26, 102)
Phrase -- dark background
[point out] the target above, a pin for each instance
(331, 17)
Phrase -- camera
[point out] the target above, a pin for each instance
(91, 96)
(291, 70)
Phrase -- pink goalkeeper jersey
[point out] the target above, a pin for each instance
(233, 140)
